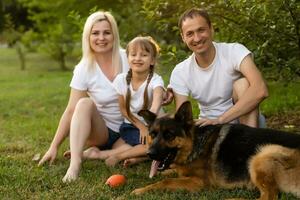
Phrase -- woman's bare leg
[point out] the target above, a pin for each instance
(95, 153)
(86, 125)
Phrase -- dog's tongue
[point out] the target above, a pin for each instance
(153, 169)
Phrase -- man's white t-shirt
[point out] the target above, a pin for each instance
(212, 86)
(137, 96)
(101, 90)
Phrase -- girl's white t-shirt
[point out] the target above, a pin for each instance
(137, 96)
(212, 87)
(101, 90)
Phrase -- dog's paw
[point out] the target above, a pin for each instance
(138, 191)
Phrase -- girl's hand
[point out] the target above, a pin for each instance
(50, 156)
(168, 96)
(143, 135)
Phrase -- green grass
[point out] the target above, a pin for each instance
(32, 102)
(283, 98)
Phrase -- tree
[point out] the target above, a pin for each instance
(52, 32)
(14, 27)
(58, 23)
(269, 28)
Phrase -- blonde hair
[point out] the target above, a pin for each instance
(148, 44)
(87, 53)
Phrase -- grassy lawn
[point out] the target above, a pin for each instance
(32, 102)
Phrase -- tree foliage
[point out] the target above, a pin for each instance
(58, 23)
(271, 29)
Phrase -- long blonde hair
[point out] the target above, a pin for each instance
(148, 44)
(87, 53)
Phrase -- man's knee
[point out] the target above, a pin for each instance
(239, 88)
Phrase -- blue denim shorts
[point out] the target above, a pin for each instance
(112, 138)
(130, 134)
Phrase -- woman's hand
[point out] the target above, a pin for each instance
(50, 156)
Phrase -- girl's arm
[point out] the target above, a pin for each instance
(157, 100)
(135, 121)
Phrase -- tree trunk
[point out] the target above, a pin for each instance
(21, 55)
(62, 60)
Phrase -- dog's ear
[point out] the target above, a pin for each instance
(148, 116)
(184, 113)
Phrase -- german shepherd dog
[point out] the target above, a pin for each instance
(224, 156)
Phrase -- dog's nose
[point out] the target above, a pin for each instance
(152, 153)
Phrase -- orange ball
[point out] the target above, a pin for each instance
(116, 180)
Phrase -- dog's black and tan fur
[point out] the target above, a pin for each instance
(225, 156)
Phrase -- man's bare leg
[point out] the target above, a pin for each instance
(239, 88)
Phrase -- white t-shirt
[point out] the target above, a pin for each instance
(137, 96)
(100, 89)
(212, 86)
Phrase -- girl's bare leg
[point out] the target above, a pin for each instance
(132, 161)
(86, 126)
(136, 151)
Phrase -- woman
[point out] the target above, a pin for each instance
(92, 116)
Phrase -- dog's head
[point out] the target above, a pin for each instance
(171, 137)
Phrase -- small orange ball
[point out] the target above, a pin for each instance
(116, 180)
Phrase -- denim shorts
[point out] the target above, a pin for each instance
(112, 138)
(130, 134)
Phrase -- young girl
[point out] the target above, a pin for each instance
(138, 89)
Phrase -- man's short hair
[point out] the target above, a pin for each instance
(191, 13)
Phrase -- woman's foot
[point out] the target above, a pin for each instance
(132, 161)
(94, 153)
(72, 173)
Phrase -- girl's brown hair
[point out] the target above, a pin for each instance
(148, 44)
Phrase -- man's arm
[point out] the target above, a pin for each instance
(179, 99)
(256, 92)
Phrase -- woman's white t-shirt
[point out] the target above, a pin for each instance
(101, 90)
(137, 96)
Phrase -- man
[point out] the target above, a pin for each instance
(222, 77)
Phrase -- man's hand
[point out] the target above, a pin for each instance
(206, 122)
